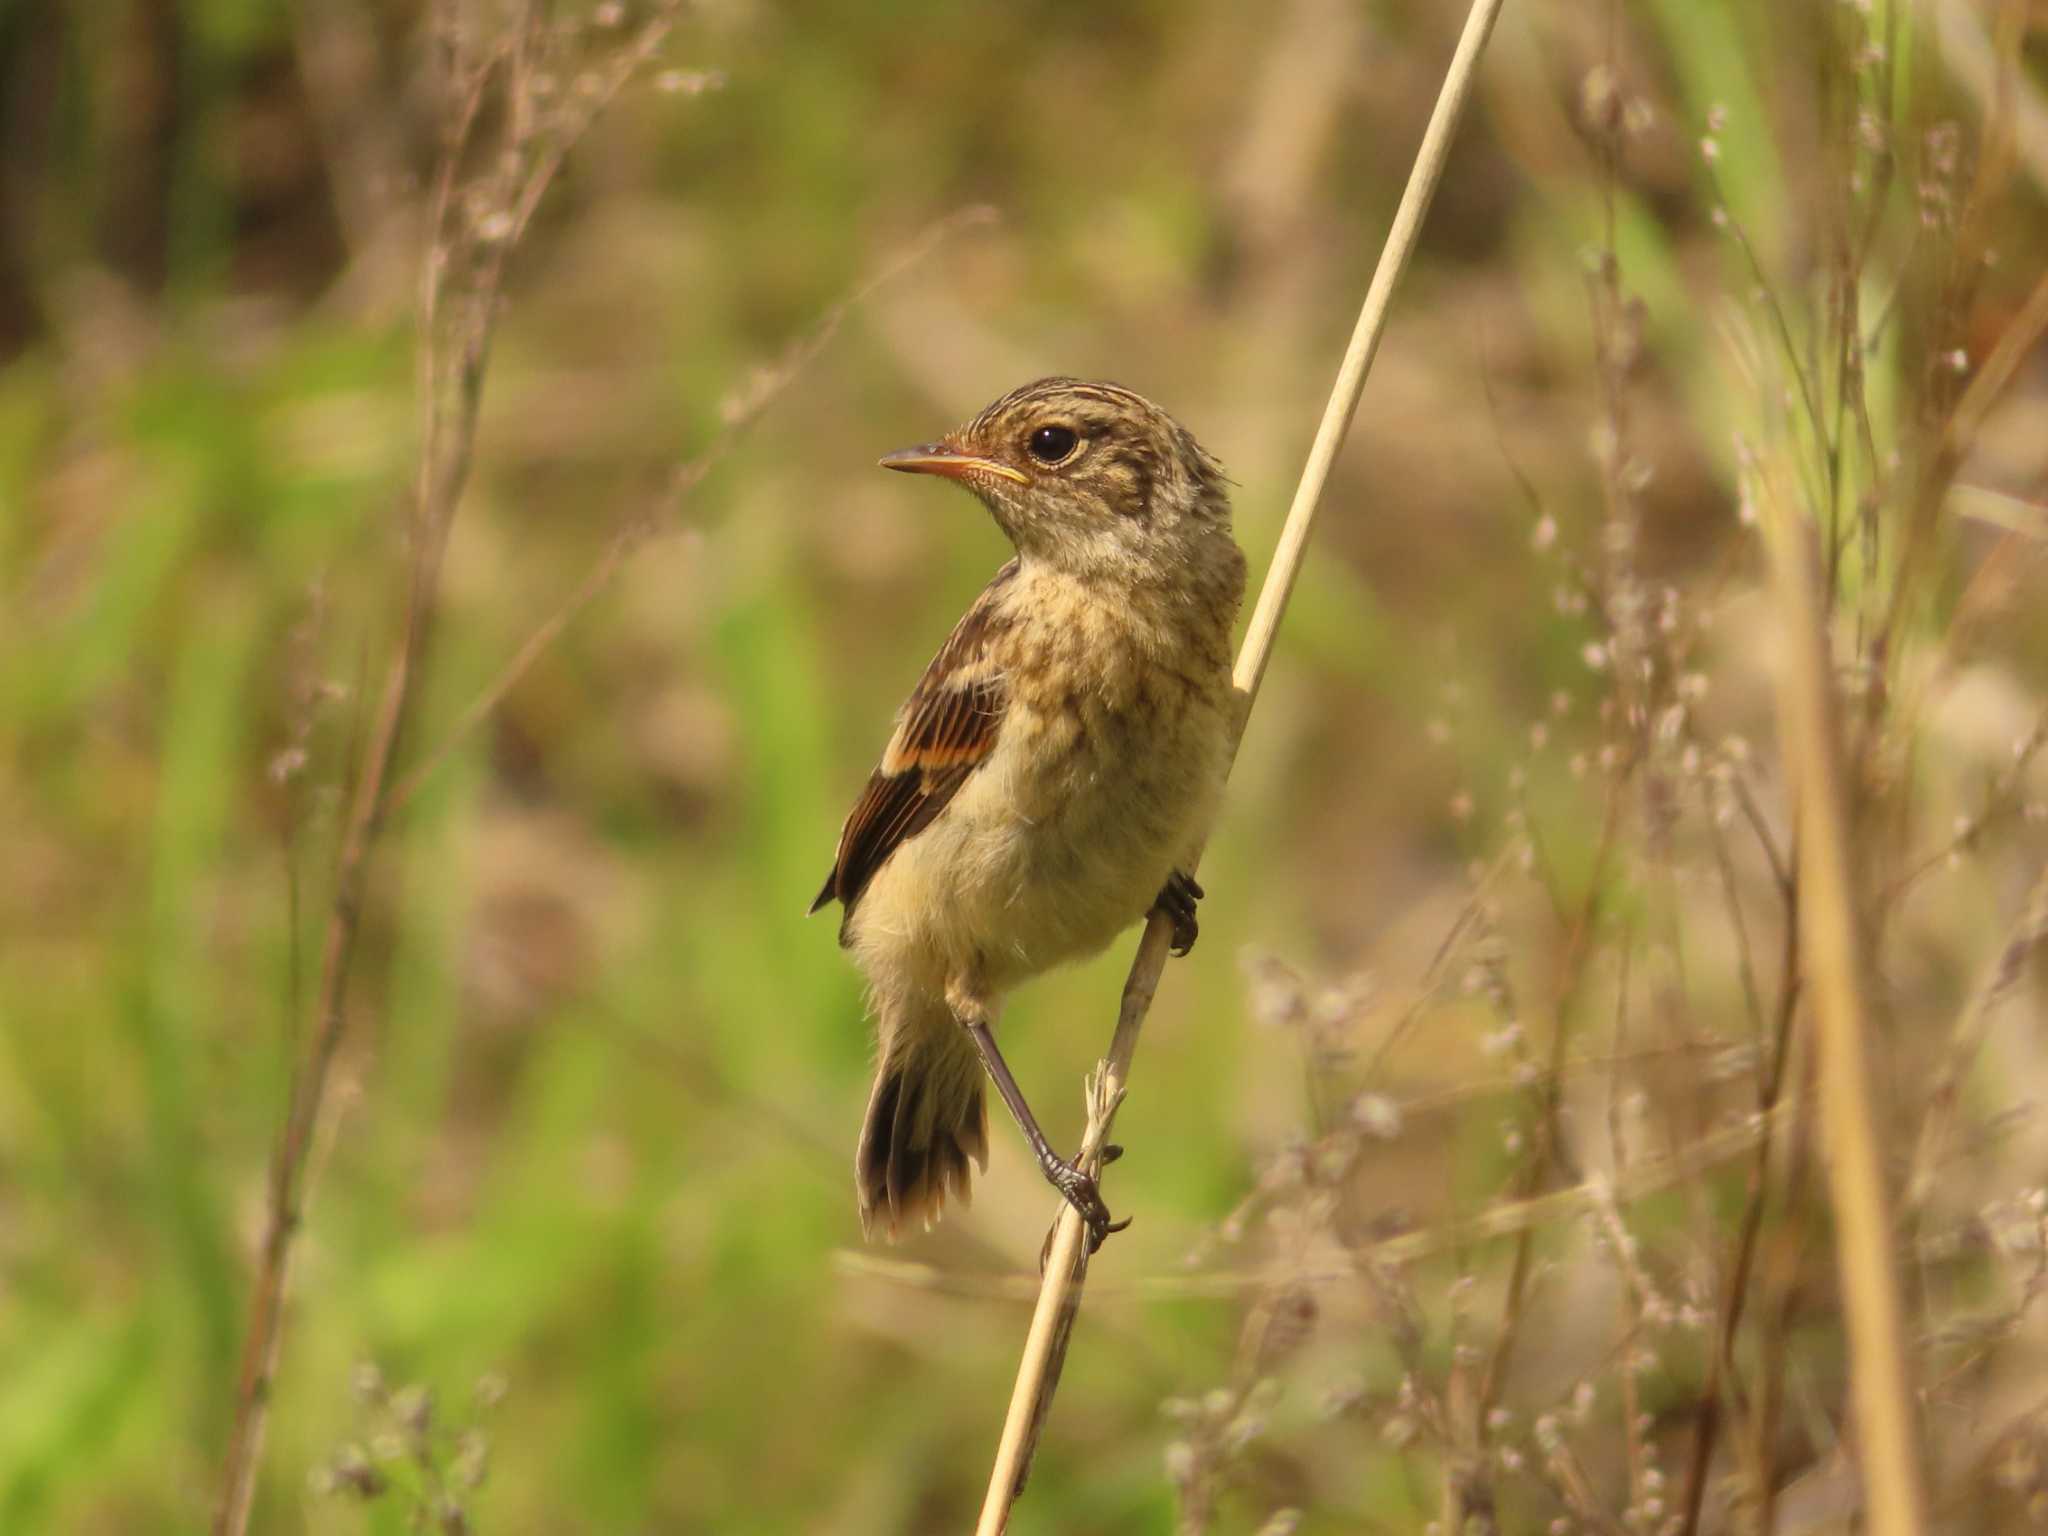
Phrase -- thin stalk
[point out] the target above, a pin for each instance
(1880, 1370)
(457, 323)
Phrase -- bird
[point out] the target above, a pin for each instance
(1051, 776)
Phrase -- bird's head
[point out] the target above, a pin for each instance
(1087, 476)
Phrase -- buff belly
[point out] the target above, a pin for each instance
(1056, 844)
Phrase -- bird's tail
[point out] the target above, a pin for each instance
(926, 1118)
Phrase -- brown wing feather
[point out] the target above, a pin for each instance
(945, 731)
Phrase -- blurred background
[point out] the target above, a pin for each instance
(583, 1171)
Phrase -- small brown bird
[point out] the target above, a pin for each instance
(1052, 773)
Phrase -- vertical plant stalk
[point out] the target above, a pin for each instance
(460, 290)
(440, 477)
(1882, 1388)
(1066, 1261)
(1721, 1380)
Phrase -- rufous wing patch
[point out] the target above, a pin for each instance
(944, 732)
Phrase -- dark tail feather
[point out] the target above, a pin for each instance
(926, 1119)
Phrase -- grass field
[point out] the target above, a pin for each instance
(1476, 1154)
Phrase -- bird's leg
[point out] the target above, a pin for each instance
(1075, 1186)
(1177, 900)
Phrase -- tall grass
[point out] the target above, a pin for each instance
(1667, 1353)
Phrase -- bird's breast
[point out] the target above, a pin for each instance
(1105, 771)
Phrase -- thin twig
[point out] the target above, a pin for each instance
(2007, 794)
(1037, 1374)
(2028, 932)
(1721, 1375)
(1547, 1143)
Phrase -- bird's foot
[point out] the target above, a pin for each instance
(1080, 1191)
(1177, 900)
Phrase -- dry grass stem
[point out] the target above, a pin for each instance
(462, 271)
(1066, 1259)
(1886, 1403)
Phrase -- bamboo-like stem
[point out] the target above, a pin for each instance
(1066, 1258)
(1880, 1370)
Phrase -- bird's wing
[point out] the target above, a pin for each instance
(943, 733)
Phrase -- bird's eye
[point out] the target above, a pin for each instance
(1049, 445)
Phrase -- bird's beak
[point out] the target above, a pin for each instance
(951, 463)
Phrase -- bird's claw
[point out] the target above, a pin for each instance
(1080, 1191)
(1177, 900)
